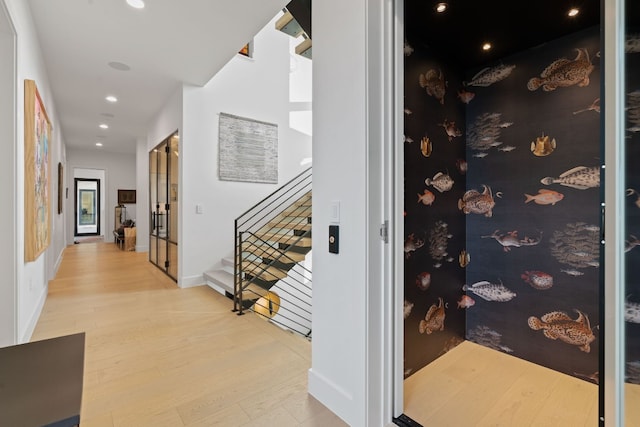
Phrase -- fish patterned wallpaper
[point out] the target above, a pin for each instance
(435, 167)
(524, 278)
(632, 312)
(533, 140)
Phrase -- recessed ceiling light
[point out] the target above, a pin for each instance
(120, 66)
(137, 4)
(111, 98)
(441, 7)
(486, 46)
(104, 126)
(573, 12)
(98, 144)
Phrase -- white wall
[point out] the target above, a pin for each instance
(142, 196)
(8, 257)
(31, 279)
(256, 88)
(347, 372)
(120, 173)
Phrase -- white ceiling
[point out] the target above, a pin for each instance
(166, 43)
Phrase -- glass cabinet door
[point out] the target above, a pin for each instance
(163, 205)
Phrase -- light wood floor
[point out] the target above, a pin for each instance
(475, 386)
(157, 355)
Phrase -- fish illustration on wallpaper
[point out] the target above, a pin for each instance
(408, 306)
(511, 240)
(631, 192)
(507, 148)
(488, 337)
(558, 325)
(580, 178)
(544, 197)
(490, 75)
(564, 72)
(632, 43)
(491, 291)
(595, 106)
(485, 132)
(466, 301)
(433, 82)
(426, 198)
(538, 279)
(543, 146)
(462, 166)
(594, 377)
(407, 49)
(464, 258)
(577, 245)
(450, 129)
(434, 319)
(441, 182)
(423, 280)
(426, 147)
(633, 111)
(438, 241)
(632, 312)
(412, 244)
(479, 203)
(466, 96)
(631, 243)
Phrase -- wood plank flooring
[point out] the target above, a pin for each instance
(474, 386)
(157, 355)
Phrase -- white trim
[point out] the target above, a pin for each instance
(142, 248)
(396, 233)
(191, 281)
(35, 316)
(614, 220)
(58, 262)
(330, 395)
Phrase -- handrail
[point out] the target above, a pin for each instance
(306, 171)
(262, 240)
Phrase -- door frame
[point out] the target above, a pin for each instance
(75, 206)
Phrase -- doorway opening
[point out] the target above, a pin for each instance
(87, 207)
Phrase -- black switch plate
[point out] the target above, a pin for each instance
(334, 238)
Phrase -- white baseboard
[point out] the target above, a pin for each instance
(33, 321)
(191, 281)
(332, 396)
(58, 262)
(142, 248)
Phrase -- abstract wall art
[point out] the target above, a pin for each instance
(37, 142)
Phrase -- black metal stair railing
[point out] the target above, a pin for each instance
(271, 239)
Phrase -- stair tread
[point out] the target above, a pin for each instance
(267, 251)
(221, 278)
(290, 225)
(263, 271)
(283, 238)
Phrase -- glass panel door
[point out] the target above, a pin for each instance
(173, 160)
(163, 207)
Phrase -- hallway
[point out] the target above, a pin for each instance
(157, 355)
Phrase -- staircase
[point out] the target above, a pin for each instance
(272, 263)
(296, 22)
